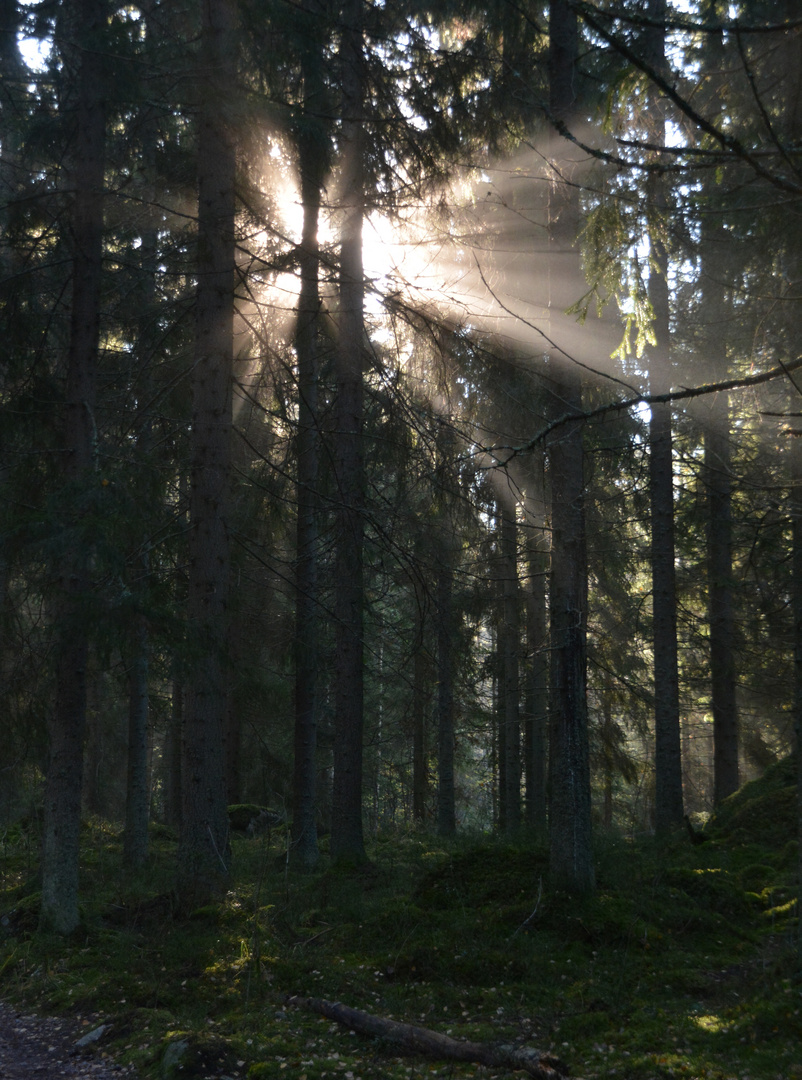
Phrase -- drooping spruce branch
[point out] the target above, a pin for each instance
(641, 399)
(729, 143)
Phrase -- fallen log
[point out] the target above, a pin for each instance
(410, 1039)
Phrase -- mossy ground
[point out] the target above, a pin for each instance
(683, 964)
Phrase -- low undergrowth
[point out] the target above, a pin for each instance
(684, 963)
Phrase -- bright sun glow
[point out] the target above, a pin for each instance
(483, 262)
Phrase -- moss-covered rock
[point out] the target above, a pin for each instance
(240, 815)
(762, 812)
(187, 1054)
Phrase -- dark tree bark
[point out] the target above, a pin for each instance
(536, 674)
(84, 26)
(311, 163)
(509, 713)
(446, 806)
(668, 760)
(668, 750)
(570, 846)
(137, 801)
(232, 729)
(204, 851)
(718, 465)
(12, 74)
(420, 699)
(420, 772)
(796, 602)
(137, 805)
(499, 742)
(173, 740)
(11, 326)
(347, 839)
(172, 754)
(718, 477)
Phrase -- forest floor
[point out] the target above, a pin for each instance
(34, 1047)
(683, 964)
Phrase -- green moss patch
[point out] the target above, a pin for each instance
(684, 963)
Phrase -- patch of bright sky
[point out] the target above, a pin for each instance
(35, 52)
(386, 244)
(410, 253)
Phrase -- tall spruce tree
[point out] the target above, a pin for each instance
(204, 850)
(347, 839)
(570, 851)
(668, 761)
(82, 49)
(312, 161)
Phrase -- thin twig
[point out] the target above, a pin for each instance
(527, 921)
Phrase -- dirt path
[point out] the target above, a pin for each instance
(44, 1048)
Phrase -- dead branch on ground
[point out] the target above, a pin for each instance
(410, 1039)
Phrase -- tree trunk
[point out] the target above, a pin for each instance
(668, 753)
(446, 808)
(174, 737)
(137, 806)
(510, 645)
(85, 22)
(11, 70)
(718, 476)
(500, 740)
(347, 840)
(172, 753)
(420, 771)
(137, 803)
(536, 676)
(12, 75)
(570, 849)
(722, 618)
(232, 729)
(311, 162)
(204, 852)
(571, 857)
(796, 602)
(668, 750)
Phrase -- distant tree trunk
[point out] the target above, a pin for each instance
(232, 729)
(347, 839)
(536, 675)
(668, 759)
(137, 803)
(446, 807)
(668, 749)
(500, 735)
(570, 847)
(718, 466)
(420, 771)
(85, 22)
(173, 739)
(311, 163)
(718, 476)
(204, 851)
(10, 73)
(607, 736)
(172, 754)
(11, 78)
(510, 645)
(420, 777)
